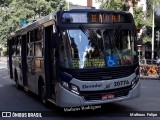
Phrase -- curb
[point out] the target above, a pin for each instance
(3, 59)
(5, 62)
(149, 77)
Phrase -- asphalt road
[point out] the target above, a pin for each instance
(13, 100)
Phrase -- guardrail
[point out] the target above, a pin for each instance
(147, 61)
(148, 70)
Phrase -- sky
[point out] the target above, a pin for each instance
(158, 11)
(82, 2)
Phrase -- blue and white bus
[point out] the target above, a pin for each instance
(77, 57)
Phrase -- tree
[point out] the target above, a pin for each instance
(5, 2)
(149, 12)
(125, 5)
(139, 17)
(58, 4)
(12, 11)
(111, 4)
(149, 19)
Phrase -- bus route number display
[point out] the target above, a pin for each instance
(106, 18)
(75, 17)
(95, 17)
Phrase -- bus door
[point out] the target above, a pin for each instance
(31, 61)
(24, 60)
(18, 60)
(10, 53)
(48, 58)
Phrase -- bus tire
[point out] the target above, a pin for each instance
(42, 92)
(16, 80)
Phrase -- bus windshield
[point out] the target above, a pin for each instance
(90, 48)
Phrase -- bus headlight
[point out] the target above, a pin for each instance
(65, 84)
(70, 87)
(135, 81)
(74, 89)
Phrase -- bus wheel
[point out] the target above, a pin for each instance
(17, 81)
(43, 94)
(17, 85)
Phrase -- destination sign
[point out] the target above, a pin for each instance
(74, 18)
(96, 17)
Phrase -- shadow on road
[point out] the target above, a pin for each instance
(106, 110)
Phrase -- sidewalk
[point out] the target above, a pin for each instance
(148, 71)
(3, 59)
(150, 77)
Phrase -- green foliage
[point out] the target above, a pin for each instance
(5, 2)
(123, 5)
(139, 17)
(149, 12)
(11, 11)
(4, 52)
(147, 39)
(111, 4)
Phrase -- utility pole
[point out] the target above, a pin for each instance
(158, 39)
(152, 36)
(157, 35)
(68, 5)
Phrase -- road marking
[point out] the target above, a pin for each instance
(2, 68)
(6, 77)
(1, 85)
(143, 87)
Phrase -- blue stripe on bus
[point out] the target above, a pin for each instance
(65, 77)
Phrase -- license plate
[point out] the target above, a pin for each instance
(108, 96)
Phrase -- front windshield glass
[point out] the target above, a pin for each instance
(90, 48)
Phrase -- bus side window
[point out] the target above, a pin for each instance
(39, 34)
(31, 49)
(18, 50)
(31, 43)
(13, 46)
(38, 49)
(16, 45)
(38, 42)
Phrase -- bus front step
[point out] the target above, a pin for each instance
(25, 88)
(52, 101)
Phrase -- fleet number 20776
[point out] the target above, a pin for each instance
(121, 83)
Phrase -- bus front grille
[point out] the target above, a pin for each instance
(97, 95)
(103, 75)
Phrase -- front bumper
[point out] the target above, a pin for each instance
(66, 98)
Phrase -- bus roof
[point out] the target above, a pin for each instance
(52, 17)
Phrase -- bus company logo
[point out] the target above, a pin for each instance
(6, 114)
(92, 86)
(21, 114)
(107, 86)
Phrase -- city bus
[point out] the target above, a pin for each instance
(77, 57)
